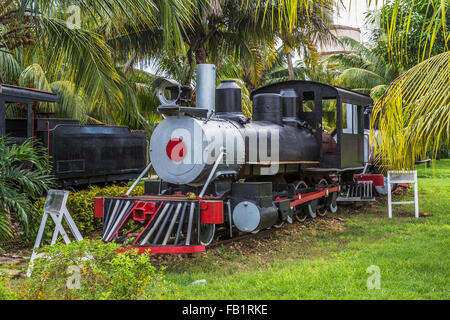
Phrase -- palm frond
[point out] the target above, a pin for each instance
(286, 15)
(378, 91)
(360, 78)
(414, 113)
(9, 67)
(34, 76)
(19, 184)
(137, 11)
(72, 102)
(83, 58)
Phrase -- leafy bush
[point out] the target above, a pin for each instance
(23, 177)
(5, 291)
(102, 272)
(81, 205)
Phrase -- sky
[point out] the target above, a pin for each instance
(353, 14)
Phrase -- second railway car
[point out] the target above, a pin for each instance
(78, 154)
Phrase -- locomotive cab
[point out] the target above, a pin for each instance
(331, 112)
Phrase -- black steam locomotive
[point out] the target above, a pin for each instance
(78, 154)
(222, 170)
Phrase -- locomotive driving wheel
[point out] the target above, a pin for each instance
(278, 226)
(322, 211)
(207, 232)
(301, 212)
(311, 208)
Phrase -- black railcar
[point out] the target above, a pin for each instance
(78, 154)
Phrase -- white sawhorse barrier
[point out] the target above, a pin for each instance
(409, 177)
(55, 207)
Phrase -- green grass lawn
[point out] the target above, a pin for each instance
(328, 258)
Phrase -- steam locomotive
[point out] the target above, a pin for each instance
(224, 174)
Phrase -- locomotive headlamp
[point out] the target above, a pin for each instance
(165, 86)
(170, 92)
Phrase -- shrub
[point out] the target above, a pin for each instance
(81, 205)
(23, 177)
(5, 292)
(102, 272)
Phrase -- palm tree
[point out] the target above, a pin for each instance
(217, 29)
(411, 31)
(260, 51)
(81, 57)
(397, 22)
(289, 10)
(279, 70)
(414, 114)
(413, 121)
(362, 70)
(73, 102)
(308, 33)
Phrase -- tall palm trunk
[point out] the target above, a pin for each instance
(129, 64)
(201, 55)
(290, 65)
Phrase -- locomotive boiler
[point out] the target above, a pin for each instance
(222, 171)
(193, 145)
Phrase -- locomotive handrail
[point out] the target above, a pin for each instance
(138, 179)
(213, 171)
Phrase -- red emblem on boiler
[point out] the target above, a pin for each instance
(176, 149)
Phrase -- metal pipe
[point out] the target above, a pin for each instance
(110, 218)
(106, 214)
(213, 171)
(189, 230)
(172, 223)
(118, 221)
(180, 224)
(206, 87)
(229, 218)
(166, 207)
(163, 224)
(139, 179)
(199, 212)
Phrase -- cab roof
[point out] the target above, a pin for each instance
(306, 89)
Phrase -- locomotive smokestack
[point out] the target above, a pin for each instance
(206, 87)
